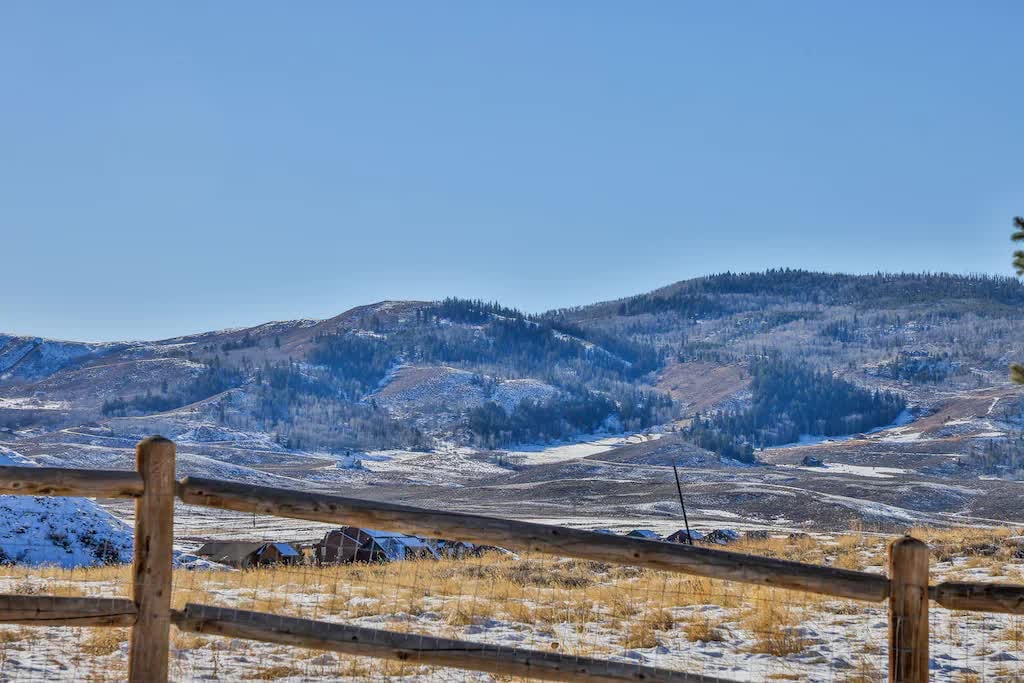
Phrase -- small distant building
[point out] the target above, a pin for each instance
(644, 533)
(353, 544)
(247, 554)
(343, 545)
(682, 537)
(390, 547)
(305, 549)
(457, 550)
(721, 537)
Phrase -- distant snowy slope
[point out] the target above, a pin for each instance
(67, 532)
(412, 388)
(33, 358)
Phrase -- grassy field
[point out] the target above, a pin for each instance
(582, 608)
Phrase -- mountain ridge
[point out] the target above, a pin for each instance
(409, 373)
(1011, 281)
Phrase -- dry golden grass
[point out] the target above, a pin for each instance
(586, 607)
(701, 628)
(1014, 634)
(640, 635)
(112, 671)
(775, 628)
(182, 640)
(15, 634)
(964, 677)
(661, 619)
(356, 667)
(984, 546)
(272, 673)
(643, 633)
(464, 613)
(864, 671)
(104, 641)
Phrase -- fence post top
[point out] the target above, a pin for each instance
(154, 440)
(907, 543)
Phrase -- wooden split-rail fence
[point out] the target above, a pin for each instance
(150, 616)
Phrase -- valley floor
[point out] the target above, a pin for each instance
(915, 473)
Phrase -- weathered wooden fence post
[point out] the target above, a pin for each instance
(908, 611)
(153, 562)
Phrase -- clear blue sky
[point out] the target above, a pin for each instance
(170, 168)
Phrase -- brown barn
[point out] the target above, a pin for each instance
(246, 554)
(347, 544)
(352, 544)
(682, 537)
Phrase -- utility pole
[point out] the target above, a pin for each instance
(679, 489)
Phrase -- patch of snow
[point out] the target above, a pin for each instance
(368, 334)
(582, 447)
(897, 425)
(31, 403)
(438, 468)
(719, 513)
(441, 393)
(902, 437)
(510, 393)
(66, 532)
(858, 470)
(562, 336)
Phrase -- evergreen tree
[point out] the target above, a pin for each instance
(1017, 370)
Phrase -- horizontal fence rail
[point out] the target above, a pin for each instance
(417, 648)
(979, 597)
(540, 538)
(53, 610)
(56, 481)
(149, 612)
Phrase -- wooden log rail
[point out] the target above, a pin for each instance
(540, 538)
(57, 481)
(719, 564)
(979, 597)
(415, 648)
(52, 610)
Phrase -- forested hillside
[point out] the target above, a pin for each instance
(763, 358)
(788, 401)
(903, 327)
(596, 387)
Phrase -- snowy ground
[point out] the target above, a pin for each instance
(858, 470)
(66, 532)
(672, 621)
(31, 403)
(454, 466)
(577, 449)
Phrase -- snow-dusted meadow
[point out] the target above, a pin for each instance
(674, 621)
